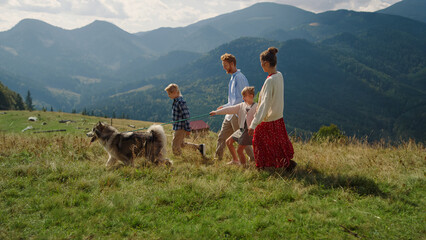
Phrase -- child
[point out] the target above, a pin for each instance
(180, 111)
(245, 112)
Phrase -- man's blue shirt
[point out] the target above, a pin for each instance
(236, 84)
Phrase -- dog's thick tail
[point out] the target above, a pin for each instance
(158, 133)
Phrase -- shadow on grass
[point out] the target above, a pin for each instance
(311, 176)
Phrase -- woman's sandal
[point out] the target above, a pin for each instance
(233, 163)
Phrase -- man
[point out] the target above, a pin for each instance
(230, 124)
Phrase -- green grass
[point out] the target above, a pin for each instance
(56, 186)
(16, 121)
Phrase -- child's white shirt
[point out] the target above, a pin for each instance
(240, 110)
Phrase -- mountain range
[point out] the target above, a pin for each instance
(365, 72)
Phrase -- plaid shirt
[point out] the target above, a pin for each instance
(180, 111)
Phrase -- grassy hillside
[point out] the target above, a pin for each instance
(55, 186)
(16, 121)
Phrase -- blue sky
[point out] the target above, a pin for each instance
(144, 15)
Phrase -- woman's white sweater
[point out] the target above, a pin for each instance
(271, 100)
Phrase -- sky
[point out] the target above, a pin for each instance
(144, 15)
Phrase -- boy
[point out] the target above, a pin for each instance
(180, 112)
(245, 112)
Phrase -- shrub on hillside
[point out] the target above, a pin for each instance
(329, 133)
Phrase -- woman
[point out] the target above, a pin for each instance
(271, 145)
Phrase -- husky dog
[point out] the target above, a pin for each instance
(127, 146)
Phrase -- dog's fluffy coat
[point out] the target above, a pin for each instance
(127, 146)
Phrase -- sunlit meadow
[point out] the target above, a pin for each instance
(54, 185)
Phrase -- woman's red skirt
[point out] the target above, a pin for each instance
(271, 145)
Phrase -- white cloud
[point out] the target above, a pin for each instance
(41, 3)
(142, 15)
(374, 5)
(99, 8)
(33, 6)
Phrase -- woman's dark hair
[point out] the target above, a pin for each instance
(270, 56)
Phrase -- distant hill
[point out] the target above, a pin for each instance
(332, 23)
(42, 96)
(414, 9)
(65, 68)
(10, 100)
(255, 21)
(47, 53)
(272, 21)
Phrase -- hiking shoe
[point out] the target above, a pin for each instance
(202, 149)
(292, 166)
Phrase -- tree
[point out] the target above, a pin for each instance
(29, 101)
(51, 108)
(19, 103)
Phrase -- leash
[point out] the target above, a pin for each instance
(197, 116)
